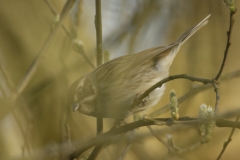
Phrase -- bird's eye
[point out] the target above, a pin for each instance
(79, 92)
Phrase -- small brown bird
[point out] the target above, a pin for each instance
(109, 91)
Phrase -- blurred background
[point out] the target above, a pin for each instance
(35, 127)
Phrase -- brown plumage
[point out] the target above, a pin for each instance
(110, 89)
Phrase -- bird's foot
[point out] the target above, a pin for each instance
(138, 102)
(118, 123)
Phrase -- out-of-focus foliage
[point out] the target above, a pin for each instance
(36, 125)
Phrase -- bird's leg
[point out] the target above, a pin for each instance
(140, 103)
(117, 123)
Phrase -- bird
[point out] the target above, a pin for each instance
(109, 91)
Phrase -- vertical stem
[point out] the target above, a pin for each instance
(99, 125)
(225, 144)
(229, 32)
(98, 25)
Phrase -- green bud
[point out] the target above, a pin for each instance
(173, 106)
(231, 5)
(206, 129)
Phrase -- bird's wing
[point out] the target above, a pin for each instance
(152, 54)
(119, 68)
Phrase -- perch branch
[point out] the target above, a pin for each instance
(193, 91)
(107, 137)
(180, 76)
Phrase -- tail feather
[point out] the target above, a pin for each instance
(191, 31)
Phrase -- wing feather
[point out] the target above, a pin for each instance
(120, 67)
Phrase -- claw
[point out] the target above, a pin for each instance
(140, 102)
(118, 123)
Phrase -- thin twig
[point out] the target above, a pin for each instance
(229, 33)
(98, 26)
(180, 76)
(53, 10)
(32, 69)
(217, 97)
(213, 82)
(76, 47)
(170, 148)
(202, 87)
(125, 151)
(111, 136)
(108, 136)
(193, 91)
(170, 78)
(5, 93)
(64, 116)
(6, 75)
(225, 144)
(25, 137)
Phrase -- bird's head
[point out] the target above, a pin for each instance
(82, 95)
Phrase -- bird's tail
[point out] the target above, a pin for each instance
(191, 31)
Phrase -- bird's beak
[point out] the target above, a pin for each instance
(75, 106)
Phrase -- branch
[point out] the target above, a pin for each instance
(76, 46)
(24, 134)
(229, 33)
(53, 10)
(225, 144)
(194, 91)
(180, 76)
(126, 149)
(170, 78)
(31, 70)
(233, 9)
(98, 25)
(171, 149)
(109, 136)
(8, 90)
